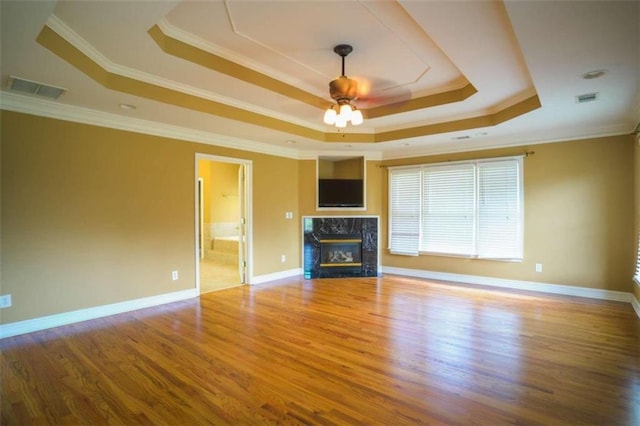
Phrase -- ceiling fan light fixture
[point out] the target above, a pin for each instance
(356, 117)
(345, 112)
(330, 116)
(343, 90)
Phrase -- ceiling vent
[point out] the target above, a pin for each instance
(587, 97)
(18, 84)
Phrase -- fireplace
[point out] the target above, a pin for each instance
(341, 251)
(335, 247)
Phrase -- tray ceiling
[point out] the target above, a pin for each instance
(433, 76)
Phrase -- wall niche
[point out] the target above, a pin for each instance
(341, 183)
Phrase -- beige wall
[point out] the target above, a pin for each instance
(93, 216)
(578, 217)
(223, 192)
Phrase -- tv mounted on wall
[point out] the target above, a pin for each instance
(340, 193)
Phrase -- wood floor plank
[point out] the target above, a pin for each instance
(389, 350)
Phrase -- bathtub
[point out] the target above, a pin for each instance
(226, 244)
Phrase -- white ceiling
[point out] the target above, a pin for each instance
(508, 51)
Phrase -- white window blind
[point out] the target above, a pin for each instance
(470, 209)
(448, 209)
(636, 276)
(404, 209)
(499, 210)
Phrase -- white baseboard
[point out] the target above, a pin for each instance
(566, 290)
(50, 321)
(275, 276)
(42, 323)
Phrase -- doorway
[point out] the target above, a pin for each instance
(223, 237)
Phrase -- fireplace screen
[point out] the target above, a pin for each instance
(340, 252)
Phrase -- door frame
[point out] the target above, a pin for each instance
(247, 201)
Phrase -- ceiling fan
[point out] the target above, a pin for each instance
(343, 90)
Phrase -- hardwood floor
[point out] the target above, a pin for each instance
(387, 351)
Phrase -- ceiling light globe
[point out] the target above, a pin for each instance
(330, 116)
(341, 122)
(356, 117)
(345, 112)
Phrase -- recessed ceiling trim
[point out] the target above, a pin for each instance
(207, 59)
(177, 33)
(428, 101)
(64, 31)
(488, 120)
(67, 51)
(217, 63)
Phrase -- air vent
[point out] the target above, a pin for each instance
(587, 97)
(18, 84)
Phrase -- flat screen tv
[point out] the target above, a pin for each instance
(340, 193)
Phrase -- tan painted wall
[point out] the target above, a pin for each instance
(93, 216)
(276, 194)
(349, 169)
(578, 217)
(223, 191)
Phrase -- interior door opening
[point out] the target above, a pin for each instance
(222, 239)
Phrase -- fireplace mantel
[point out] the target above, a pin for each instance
(324, 233)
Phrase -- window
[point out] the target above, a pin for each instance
(469, 209)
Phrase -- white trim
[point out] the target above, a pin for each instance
(593, 293)
(443, 147)
(54, 109)
(64, 31)
(50, 321)
(260, 279)
(248, 195)
(45, 108)
(313, 155)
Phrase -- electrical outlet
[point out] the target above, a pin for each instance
(5, 301)
(283, 258)
(538, 267)
(174, 275)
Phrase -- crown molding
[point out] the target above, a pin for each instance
(68, 34)
(446, 147)
(50, 109)
(368, 155)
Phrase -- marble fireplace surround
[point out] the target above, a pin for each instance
(317, 228)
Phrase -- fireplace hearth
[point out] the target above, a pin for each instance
(337, 247)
